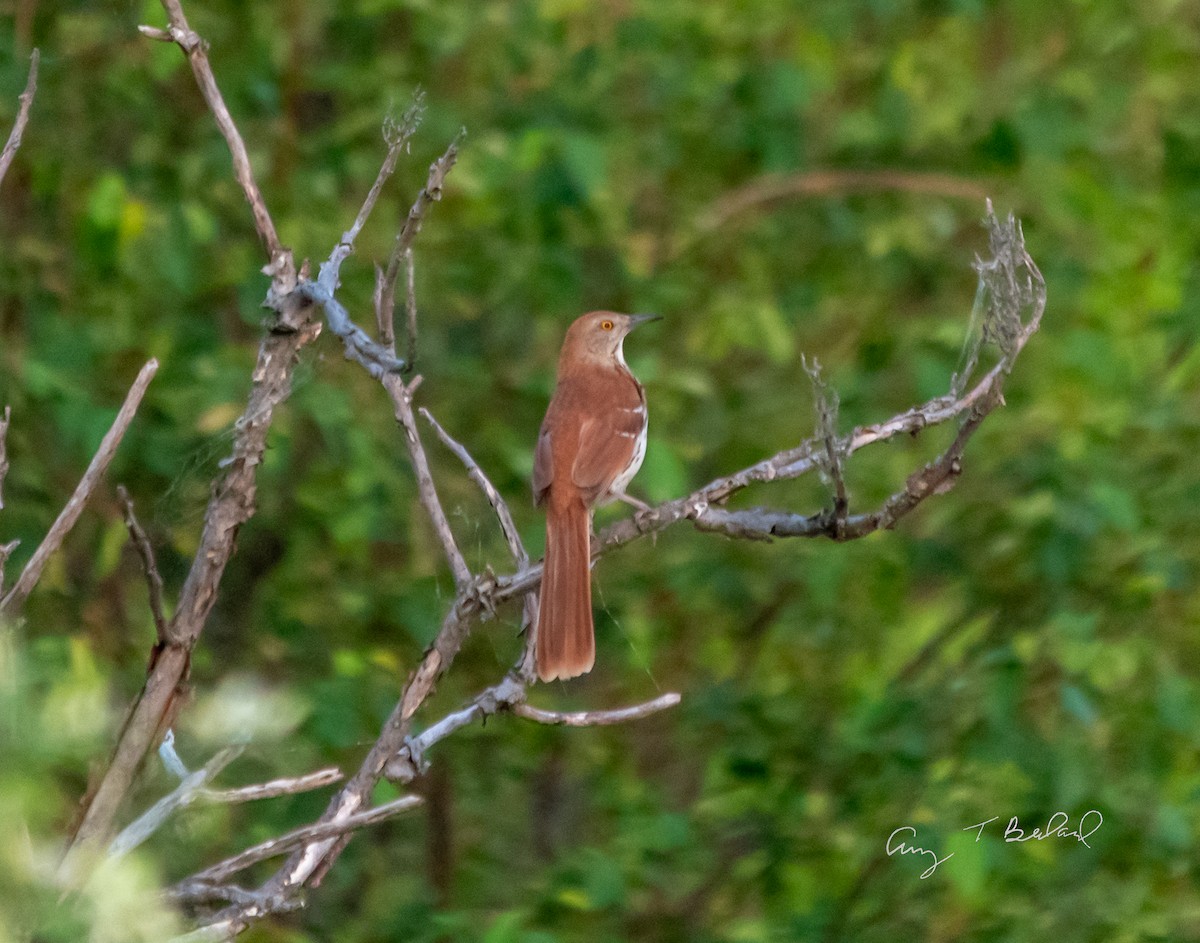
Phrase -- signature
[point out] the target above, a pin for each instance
(1057, 827)
(903, 848)
(902, 841)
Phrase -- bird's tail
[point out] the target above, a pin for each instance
(566, 644)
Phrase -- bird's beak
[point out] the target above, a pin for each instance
(636, 319)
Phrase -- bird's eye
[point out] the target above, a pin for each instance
(606, 325)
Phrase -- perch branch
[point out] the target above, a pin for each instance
(18, 128)
(83, 491)
(1009, 281)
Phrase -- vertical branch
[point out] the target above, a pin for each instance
(431, 193)
(26, 99)
(4, 420)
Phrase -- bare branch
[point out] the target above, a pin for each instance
(18, 129)
(153, 578)
(396, 134)
(511, 535)
(196, 50)
(596, 718)
(401, 396)
(4, 420)
(431, 193)
(83, 491)
(231, 505)
(409, 761)
(320, 831)
(376, 358)
(276, 787)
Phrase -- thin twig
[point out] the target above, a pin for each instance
(322, 830)
(153, 578)
(18, 129)
(83, 491)
(767, 191)
(401, 396)
(396, 134)
(507, 525)
(4, 420)
(410, 309)
(196, 50)
(276, 787)
(430, 193)
(596, 718)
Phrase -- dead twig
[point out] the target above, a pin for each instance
(430, 193)
(196, 50)
(320, 831)
(21, 589)
(4, 420)
(606, 718)
(18, 128)
(154, 579)
(401, 396)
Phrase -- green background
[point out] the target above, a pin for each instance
(1023, 645)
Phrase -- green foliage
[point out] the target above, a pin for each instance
(1020, 646)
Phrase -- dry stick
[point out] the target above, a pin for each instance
(285, 786)
(4, 420)
(378, 358)
(401, 396)
(196, 50)
(83, 491)
(769, 190)
(596, 718)
(507, 525)
(525, 667)
(322, 830)
(431, 193)
(154, 579)
(18, 129)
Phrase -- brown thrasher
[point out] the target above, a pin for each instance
(592, 443)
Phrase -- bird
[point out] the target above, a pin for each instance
(591, 444)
